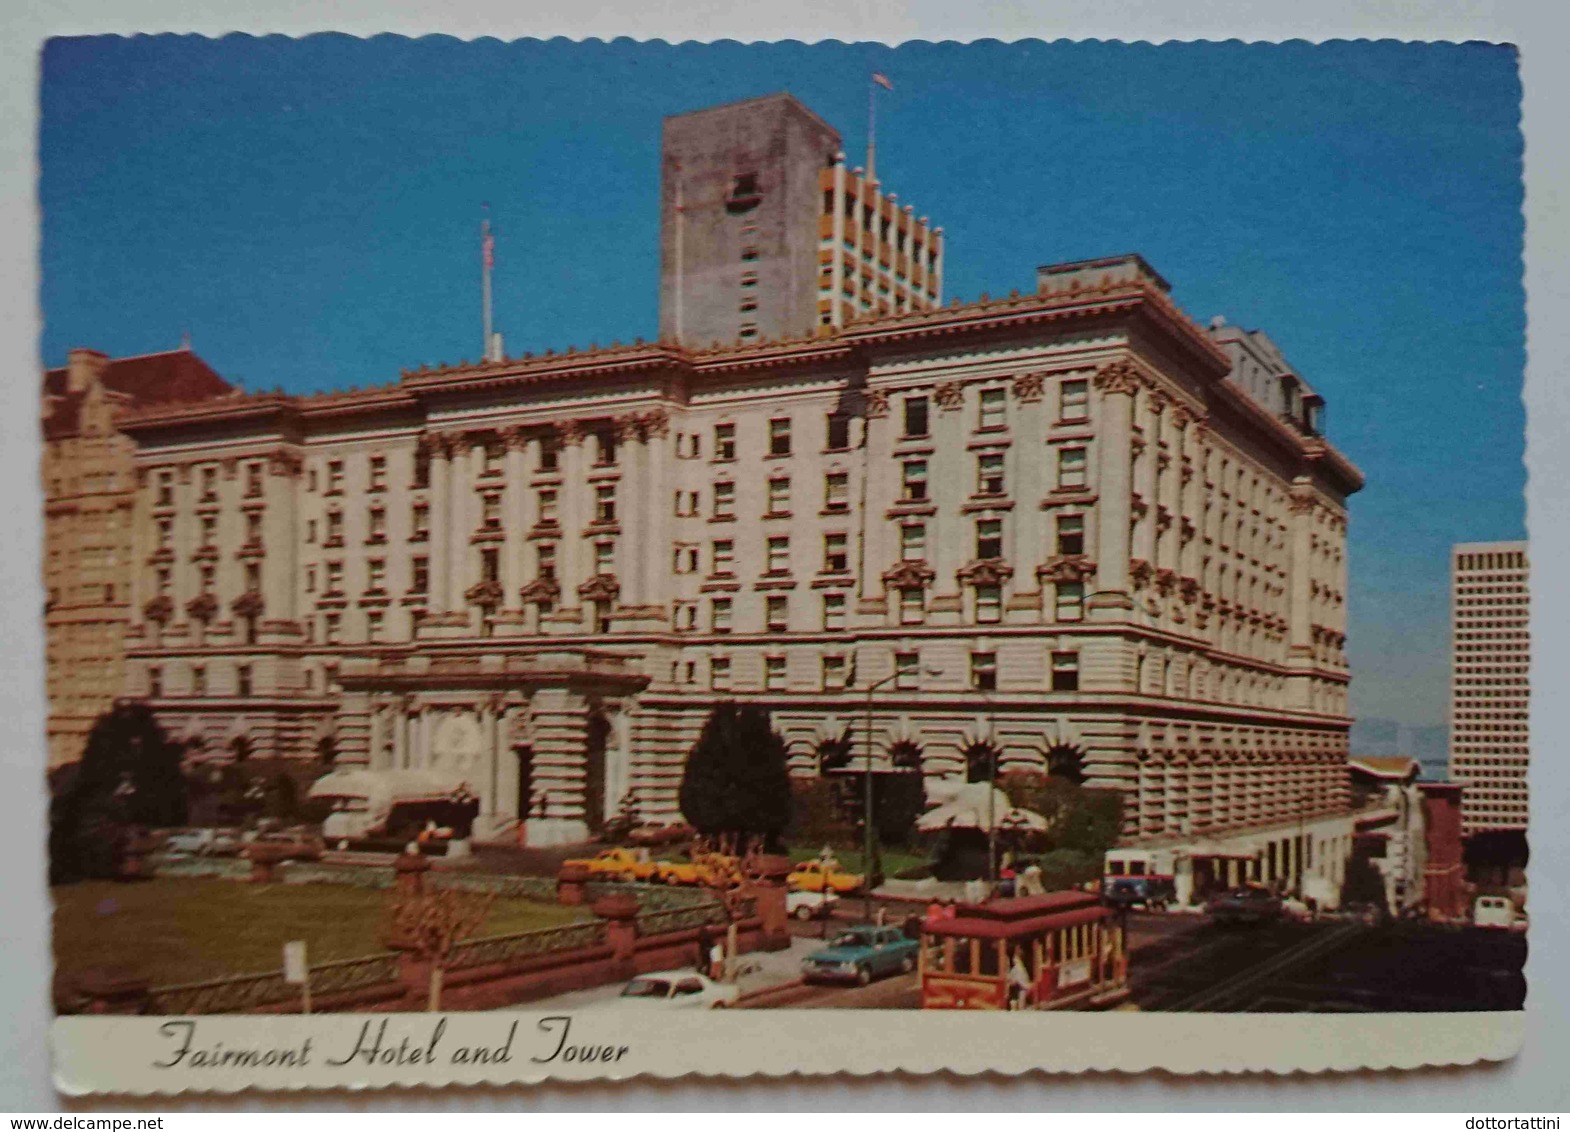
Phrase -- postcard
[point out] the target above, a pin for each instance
(585, 560)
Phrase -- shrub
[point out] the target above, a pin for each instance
(735, 785)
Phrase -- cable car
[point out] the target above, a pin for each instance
(1070, 945)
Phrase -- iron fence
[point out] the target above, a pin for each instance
(525, 945)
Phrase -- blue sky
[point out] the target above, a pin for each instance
(307, 210)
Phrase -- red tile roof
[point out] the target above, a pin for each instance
(149, 379)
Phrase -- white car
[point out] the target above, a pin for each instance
(1494, 912)
(678, 990)
(190, 843)
(810, 905)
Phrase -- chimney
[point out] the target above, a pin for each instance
(84, 368)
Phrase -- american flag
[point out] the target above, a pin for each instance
(882, 80)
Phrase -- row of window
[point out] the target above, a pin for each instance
(199, 686)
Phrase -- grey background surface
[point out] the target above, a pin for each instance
(1536, 1081)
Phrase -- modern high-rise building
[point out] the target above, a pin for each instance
(1067, 530)
(765, 235)
(89, 484)
(1489, 693)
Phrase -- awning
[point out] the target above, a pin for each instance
(978, 805)
(386, 788)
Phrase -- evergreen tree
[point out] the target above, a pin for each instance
(735, 783)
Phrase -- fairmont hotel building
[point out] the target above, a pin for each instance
(1069, 525)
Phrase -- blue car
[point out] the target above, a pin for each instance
(861, 954)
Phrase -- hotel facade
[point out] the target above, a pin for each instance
(1069, 527)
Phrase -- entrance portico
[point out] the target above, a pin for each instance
(539, 737)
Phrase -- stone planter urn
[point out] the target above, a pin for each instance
(409, 874)
(766, 873)
(619, 910)
(572, 885)
(616, 906)
(265, 860)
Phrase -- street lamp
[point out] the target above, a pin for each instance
(867, 845)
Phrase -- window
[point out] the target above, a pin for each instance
(165, 579)
(836, 559)
(989, 605)
(724, 501)
(420, 577)
(155, 682)
(209, 529)
(334, 577)
(719, 614)
(724, 558)
(773, 673)
(209, 484)
(605, 503)
(205, 578)
(550, 454)
(779, 436)
(915, 416)
(833, 673)
(836, 491)
(778, 557)
(242, 680)
(253, 480)
(490, 564)
(1065, 672)
(165, 490)
(989, 538)
(725, 442)
(332, 624)
(914, 480)
(989, 473)
(777, 613)
(378, 473)
(604, 448)
(375, 622)
(1074, 400)
(1071, 468)
(1071, 601)
(1071, 534)
(719, 673)
(376, 574)
(604, 556)
(253, 577)
(907, 670)
(546, 501)
(491, 453)
(984, 671)
(334, 477)
(994, 405)
(913, 542)
(545, 561)
(310, 579)
(912, 606)
(833, 611)
(491, 511)
(839, 432)
(779, 496)
(198, 680)
(253, 527)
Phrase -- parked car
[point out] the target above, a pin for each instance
(714, 870)
(617, 864)
(811, 905)
(677, 990)
(861, 954)
(811, 876)
(1152, 893)
(1246, 904)
(1493, 912)
(225, 843)
(653, 833)
(298, 846)
(189, 842)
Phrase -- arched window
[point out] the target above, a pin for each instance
(327, 750)
(834, 754)
(240, 747)
(905, 755)
(1066, 763)
(981, 762)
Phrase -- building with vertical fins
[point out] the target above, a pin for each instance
(1489, 683)
(1065, 529)
(89, 489)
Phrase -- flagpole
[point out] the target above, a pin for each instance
(485, 284)
(872, 130)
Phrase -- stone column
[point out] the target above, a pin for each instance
(1118, 382)
(1299, 638)
(656, 553)
(571, 570)
(400, 752)
(1144, 471)
(280, 564)
(461, 528)
(514, 507)
(560, 741)
(632, 545)
(440, 515)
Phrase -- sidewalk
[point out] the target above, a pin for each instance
(763, 971)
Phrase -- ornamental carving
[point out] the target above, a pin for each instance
(1140, 571)
(541, 591)
(1066, 568)
(1118, 377)
(516, 437)
(486, 594)
(1188, 589)
(910, 574)
(986, 572)
(949, 395)
(231, 467)
(1158, 402)
(1166, 580)
(627, 428)
(1302, 501)
(159, 610)
(601, 587)
(284, 463)
(877, 403)
(655, 423)
(1030, 386)
(248, 604)
(1181, 416)
(202, 607)
(573, 432)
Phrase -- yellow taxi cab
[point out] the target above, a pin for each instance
(811, 876)
(617, 864)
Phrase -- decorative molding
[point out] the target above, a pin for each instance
(986, 572)
(876, 403)
(485, 594)
(1066, 568)
(541, 591)
(158, 610)
(202, 607)
(1166, 580)
(1188, 589)
(248, 604)
(654, 424)
(909, 574)
(949, 395)
(1029, 387)
(573, 432)
(1141, 572)
(231, 467)
(1119, 376)
(601, 587)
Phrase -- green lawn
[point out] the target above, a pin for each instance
(179, 930)
(894, 860)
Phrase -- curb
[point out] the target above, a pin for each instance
(764, 992)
